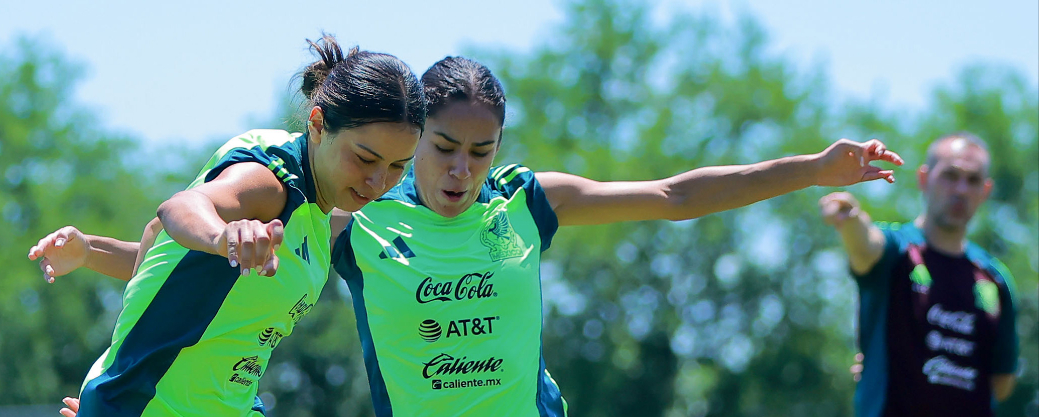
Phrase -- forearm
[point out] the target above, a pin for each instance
(111, 257)
(151, 231)
(862, 240)
(191, 219)
(709, 190)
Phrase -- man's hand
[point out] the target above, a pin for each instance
(838, 207)
(71, 407)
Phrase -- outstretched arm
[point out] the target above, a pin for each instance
(68, 249)
(234, 215)
(862, 239)
(702, 191)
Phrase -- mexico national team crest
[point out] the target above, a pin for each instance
(500, 238)
(986, 297)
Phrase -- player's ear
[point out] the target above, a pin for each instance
(316, 124)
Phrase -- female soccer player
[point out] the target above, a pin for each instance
(192, 338)
(444, 269)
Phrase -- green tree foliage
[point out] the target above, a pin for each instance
(58, 168)
(751, 311)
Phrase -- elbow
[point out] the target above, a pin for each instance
(167, 208)
(163, 211)
(681, 206)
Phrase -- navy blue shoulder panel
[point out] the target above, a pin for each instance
(537, 202)
(175, 319)
(288, 162)
(404, 190)
(897, 237)
(1008, 346)
(345, 263)
(343, 259)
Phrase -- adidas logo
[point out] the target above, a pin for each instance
(398, 250)
(303, 252)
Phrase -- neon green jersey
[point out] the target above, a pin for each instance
(449, 310)
(194, 336)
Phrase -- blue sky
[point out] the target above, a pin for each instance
(199, 70)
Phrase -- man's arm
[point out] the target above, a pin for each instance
(862, 239)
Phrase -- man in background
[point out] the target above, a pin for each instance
(936, 312)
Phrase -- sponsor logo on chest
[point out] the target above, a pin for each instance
(246, 371)
(430, 330)
(468, 287)
(448, 365)
(940, 370)
(960, 322)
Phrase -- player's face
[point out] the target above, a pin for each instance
(454, 155)
(956, 185)
(355, 166)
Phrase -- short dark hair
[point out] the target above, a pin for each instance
(972, 140)
(456, 78)
(361, 87)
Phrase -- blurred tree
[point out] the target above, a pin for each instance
(58, 168)
(755, 305)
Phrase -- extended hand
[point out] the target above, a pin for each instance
(838, 207)
(71, 407)
(251, 244)
(847, 162)
(62, 252)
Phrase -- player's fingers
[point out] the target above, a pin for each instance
(261, 248)
(65, 412)
(270, 267)
(72, 403)
(247, 243)
(48, 270)
(42, 245)
(231, 235)
(892, 157)
(65, 234)
(879, 151)
(874, 173)
(276, 230)
(61, 237)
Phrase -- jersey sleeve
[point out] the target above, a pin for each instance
(238, 155)
(893, 245)
(511, 178)
(1004, 360)
(288, 173)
